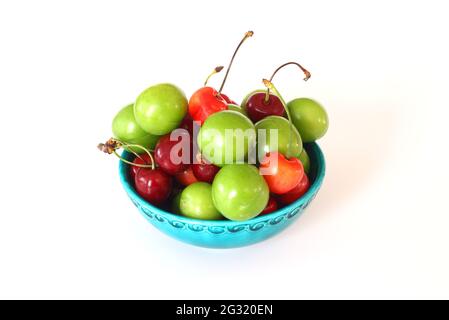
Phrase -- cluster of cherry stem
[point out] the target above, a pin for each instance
(268, 83)
(113, 144)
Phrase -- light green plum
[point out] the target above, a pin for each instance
(126, 129)
(309, 117)
(239, 192)
(160, 108)
(305, 160)
(196, 202)
(289, 141)
(237, 108)
(226, 137)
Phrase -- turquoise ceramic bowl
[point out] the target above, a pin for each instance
(226, 233)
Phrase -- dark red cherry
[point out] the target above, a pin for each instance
(186, 177)
(189, 124)
(154, 186)
(205, 171)
(144, 159)
(257, 108)
(173, 156)
(272, 206)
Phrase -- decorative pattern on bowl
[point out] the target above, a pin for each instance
(226, 233)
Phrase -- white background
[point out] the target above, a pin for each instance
(379, 227)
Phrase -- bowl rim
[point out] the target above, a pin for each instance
(320, 173)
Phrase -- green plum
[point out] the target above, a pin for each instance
(160, 108)
(288, 137)
(305, 160)
(239, 192)
(126, 129)
(226, 137)
(237, 108)
(196, 202)
(309, 117)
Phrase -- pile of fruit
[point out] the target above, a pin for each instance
(210, 158)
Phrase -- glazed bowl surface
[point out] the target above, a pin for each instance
(227, 233)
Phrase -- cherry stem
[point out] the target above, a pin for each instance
(306, 73)
(130, 146)
(216, 70)
(136, 154)
(247, 35)
(271, 86)
(112, 145)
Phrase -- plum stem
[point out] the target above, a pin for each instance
(247, 35)
(216, 70)
(112, 145)
(306, 73)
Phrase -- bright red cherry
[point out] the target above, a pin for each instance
(186, 177)
(205, 102)
(296, 192)
(154, 186)
(281, 174)
(258, 107)
(205, 171)
(144, 159)
(172, 160)
(272, 206)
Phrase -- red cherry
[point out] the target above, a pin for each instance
(257, 108)
(154, 186)
(169, 159)
(205, 102)
(144, 159)
(296, 192)
(272, 205)
(205, 171)
(189, 125)
(227, 99)
(282, 177)
(186, 177)
(192, 127)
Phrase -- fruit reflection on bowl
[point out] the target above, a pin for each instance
(227, 233)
